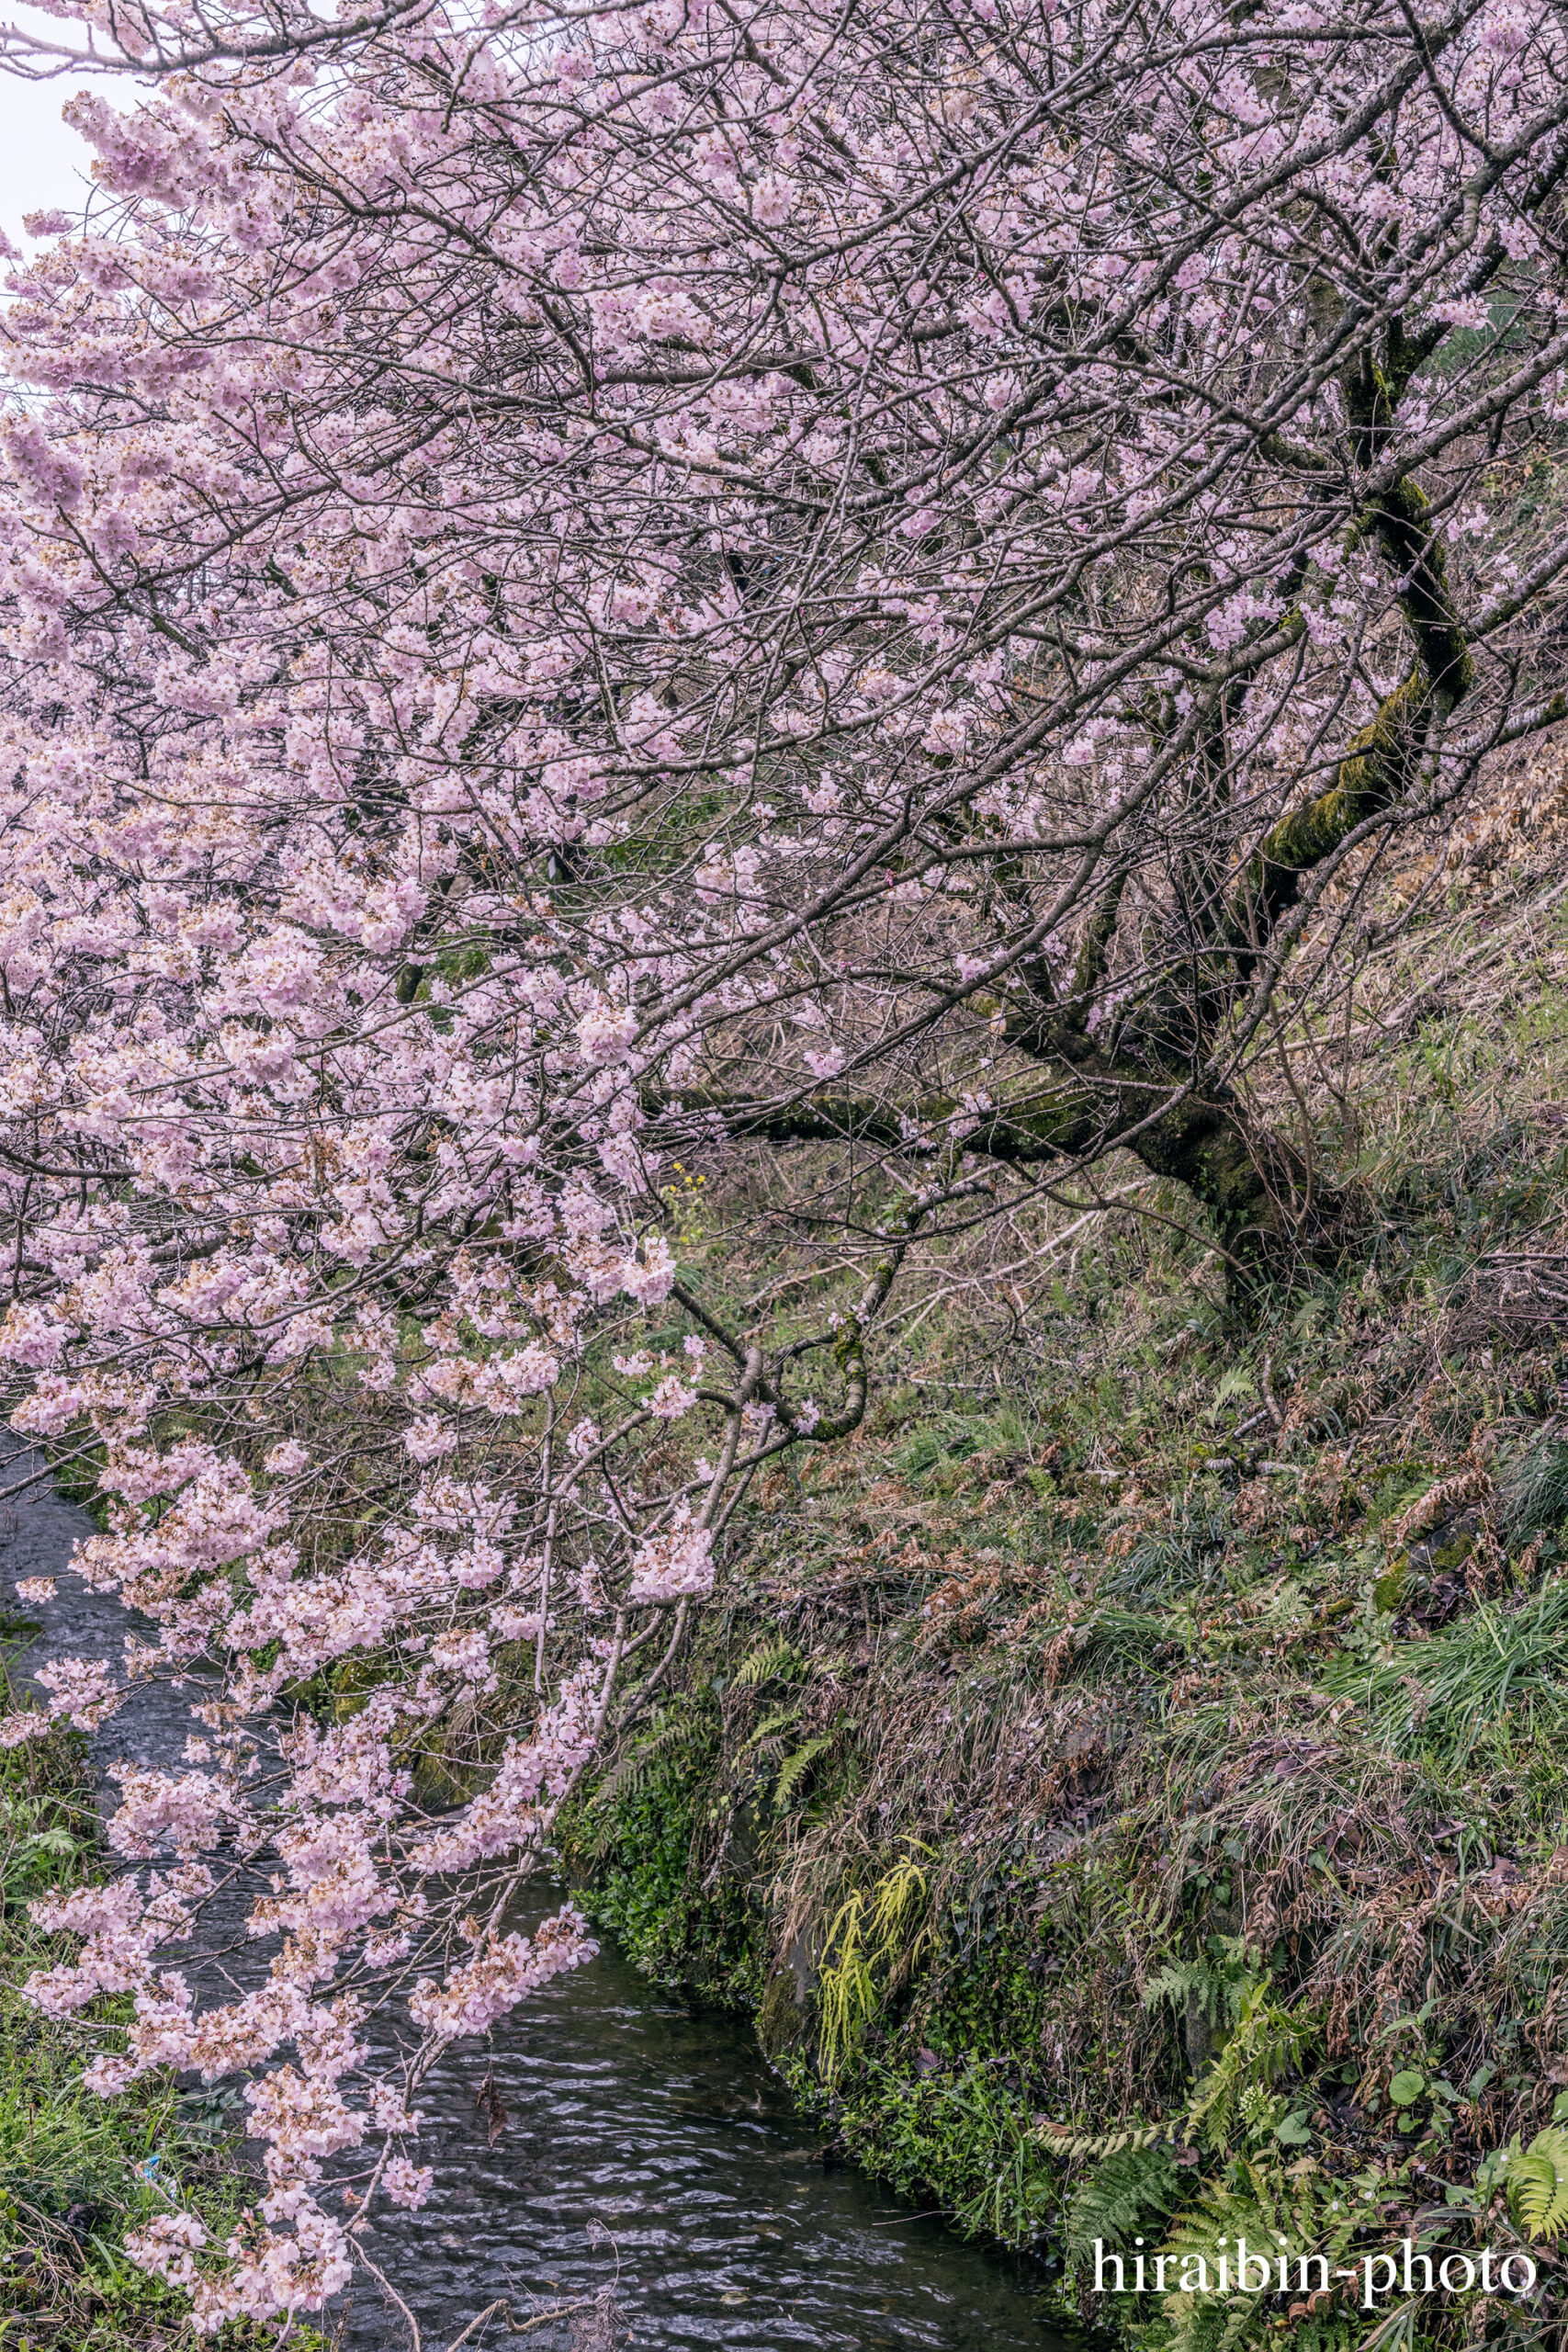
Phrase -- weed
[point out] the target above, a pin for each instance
(1174, 1846)
(1446, 1693)
(1536, 1491)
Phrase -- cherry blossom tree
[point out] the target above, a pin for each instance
(581, 588)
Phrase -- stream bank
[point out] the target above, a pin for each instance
(645, 2145)
(1124, 1780)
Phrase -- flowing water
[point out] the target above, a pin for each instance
(647, 2145)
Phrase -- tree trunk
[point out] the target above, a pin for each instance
(1268, 1213)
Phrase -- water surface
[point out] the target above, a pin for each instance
(647, 2143)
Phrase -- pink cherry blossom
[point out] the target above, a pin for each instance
(554, 603)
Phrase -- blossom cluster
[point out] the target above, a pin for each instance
(576, 592)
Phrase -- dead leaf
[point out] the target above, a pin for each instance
(492, 2108)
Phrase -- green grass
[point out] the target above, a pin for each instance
(77, 2171)
(1499, 1667)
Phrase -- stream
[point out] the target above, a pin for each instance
(648, 2146)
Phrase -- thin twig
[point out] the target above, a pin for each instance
(415, 2340)
(521, 2326)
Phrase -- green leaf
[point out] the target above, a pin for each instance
(1537, 2184)
(1406, 2085)
(53, 1841)
(776, 1658)
(794, 1768)
(1295, 2130)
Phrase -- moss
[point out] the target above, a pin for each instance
(781, 2026)
(644, 1849)
(1367, 775)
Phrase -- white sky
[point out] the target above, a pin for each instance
(42, 163)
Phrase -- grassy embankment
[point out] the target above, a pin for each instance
(1150, 1723)
(77, 2172)
(1155, 1716)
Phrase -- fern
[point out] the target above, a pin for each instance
(779, 1720)
(777, 1657)
(1237, 1382)
(1537, 2184)
(1269, 2043)
(867, 1936)
(1222, 1991)
(1119, 2196)
(1077, 2144)
(1177, 1979)
(1247, 2204)
(1269, 2205)
(794, 1768)
(670, 1736)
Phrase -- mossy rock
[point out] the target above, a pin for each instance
(437, 1784)
(780, 2025)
